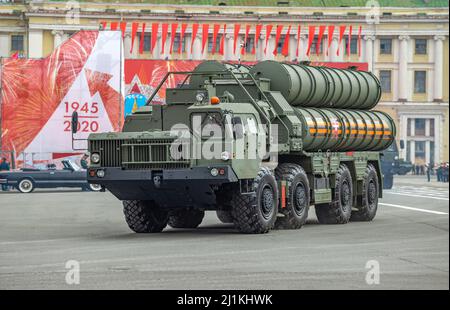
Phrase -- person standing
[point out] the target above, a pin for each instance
(84, 161)
(4, 166)
(428, 172)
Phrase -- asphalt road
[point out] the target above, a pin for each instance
(40, 232)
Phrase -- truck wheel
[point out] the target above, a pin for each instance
(255, 213)
(297, 198)
(368, 201)
(340, 209)
(388, 181)
(185, 218)
(144, 216)
(224, 216)
(95, 187)
(26, 186)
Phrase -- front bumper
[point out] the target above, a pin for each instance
(169, 188)
(3, 181)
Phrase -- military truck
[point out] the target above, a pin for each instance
(392, 164)
(259, 145)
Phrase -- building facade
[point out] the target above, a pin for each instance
(406, 47)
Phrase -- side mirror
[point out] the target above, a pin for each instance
(402, 144)
(238, 129)
(74, 122)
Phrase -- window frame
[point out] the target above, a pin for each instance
(390, 81)
(22, 42)
(415, 46)
(416, 88)
(390, 48)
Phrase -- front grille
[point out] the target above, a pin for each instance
(137, 154)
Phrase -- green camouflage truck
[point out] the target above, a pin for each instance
(259, 145)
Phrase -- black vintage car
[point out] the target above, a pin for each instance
(26, 180)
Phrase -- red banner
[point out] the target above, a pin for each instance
(349, 40)
(173, 34)
(123, 28)
(297, 51)
(141, 43)
(134, 28)
(341, 35)
(194, 35)
(268, 32)
(204, 36)
(164, 30)
(222, 41)
(257, 35)
(312, 30)
(155, 27)
(237, 27)
(277, 38)
(359, 41)
(183, 31)
(330, 36)
(285, 49)
(214, 38)
(247, 30)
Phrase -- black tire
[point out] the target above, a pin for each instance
(297, 197)
(185, 218)
(256, 213)
(144, 216)
(25, 186)
(367, 203)
(388, 181)
(224, 216)
(340, 209)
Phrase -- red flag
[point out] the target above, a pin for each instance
(15, 55)
(103, 24)
(277, 38)
(247, 30)
(204, 36)
(134, 28)
(164, 30)
(173, 34)
(285, 49)
(123, 28)
(183, 31)
(257, 35)
(237, 27)
(349, 40)
(341, 34)
(114, 25)
(222, 41)
(312, 30)
(359, 41)
(297, 52)
(141, 43)
(194, 35)
(330, 36)
(155, 27)
(319, 38)
(268, 31)
(214, 38)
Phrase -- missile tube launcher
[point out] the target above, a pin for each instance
(314, 126)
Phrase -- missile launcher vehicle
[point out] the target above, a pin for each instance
(259, 145)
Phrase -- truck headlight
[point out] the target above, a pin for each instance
(200, 97)
(225, 156)
(396, 157)
(95, 158)
(100, 173)
(214, 172)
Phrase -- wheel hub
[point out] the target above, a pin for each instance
(299, 199)
(267, 202)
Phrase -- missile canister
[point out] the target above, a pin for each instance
(320, 87)
(345, 130)
(213, 65)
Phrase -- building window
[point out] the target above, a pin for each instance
(353, 45)
(385, 46)
(419, 127)
(385, 80)
(17, 43)
(420, 81)
(249, 44)
(147, 40)
(281, 43)
(177, 42)
(431, 127)
(315, 45)
(420, 151)
(421, 46)
(210, 43)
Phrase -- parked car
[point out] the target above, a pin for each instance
(26, 180)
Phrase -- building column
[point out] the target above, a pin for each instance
(412, 151)
(427, 152)
(303, 47)
(57, 38)
(36, 37)
(403, 134)
(127, 45)
(197, 48)
(333, 49)
(438, 67)
(403, 68)
(4, 44)
(228, 47)
(292, 47)
(368, 51)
